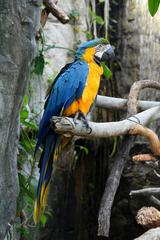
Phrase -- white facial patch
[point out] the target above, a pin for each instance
(100, 49)
(99, 54)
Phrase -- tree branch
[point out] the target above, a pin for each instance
(135, 91)
(150, 135)
(111, 188)
(145, 192)
(155, 200)
(121, 104)
(115, 175)
(65, 125)
(151, 234)
(56, 11)
(44, 16)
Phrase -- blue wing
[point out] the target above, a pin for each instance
(68, 87)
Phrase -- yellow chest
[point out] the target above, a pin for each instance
(84, 103)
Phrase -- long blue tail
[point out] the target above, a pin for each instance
(49, 154)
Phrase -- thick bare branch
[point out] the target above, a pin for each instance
(56, 11)
(150, 135)
(135, 91)
(111, 188)
(65, 125)
(115, 174)
(114, 178)
(44, 16)
(152, 234)
(145, 192)
(121, 104)
(155, 200)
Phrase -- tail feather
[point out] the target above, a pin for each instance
(50, 148)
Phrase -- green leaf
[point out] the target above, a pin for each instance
(22, 179)
(82, 148)
(99, 20)
(39, 64)
(23, 115)
(31, 125)
(25, 101)
(33, 188)
(96, 18)
(88, 35)
(153, 6)
(24, 110)
(43, 219)
(106, 71)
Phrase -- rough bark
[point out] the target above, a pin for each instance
(112, 184)
(18, 25)
(56, 11)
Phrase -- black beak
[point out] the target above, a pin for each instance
(108, 55)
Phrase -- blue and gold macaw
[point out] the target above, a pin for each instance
(72, 94)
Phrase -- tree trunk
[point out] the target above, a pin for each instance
(19, 21)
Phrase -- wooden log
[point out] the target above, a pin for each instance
(152, 234)
(135, 91)
(145, 192)
(65, 125)
(113, 103)
(56, 11)
(111, 186)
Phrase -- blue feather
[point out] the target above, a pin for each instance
(50, 140)
(68, 87)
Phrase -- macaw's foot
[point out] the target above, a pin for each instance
(80, 116)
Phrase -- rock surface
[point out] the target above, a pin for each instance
(138, 45)
(18, 25)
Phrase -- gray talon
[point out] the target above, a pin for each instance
(80, 116)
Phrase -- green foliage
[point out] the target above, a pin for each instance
(153, 6)
(38, 64)
(106, 71)
(74, 17)
(78, 150)
(89, 35)
(115, 143)
(26, 167)
(82, 149)
(95, 18)
(43, 219)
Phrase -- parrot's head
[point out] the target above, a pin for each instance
(98, 50)
(104, 53)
